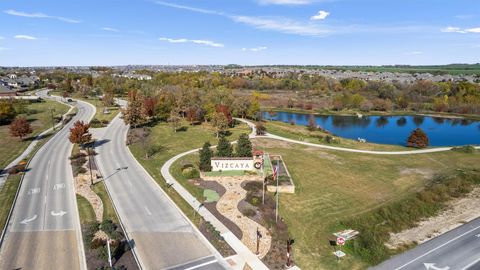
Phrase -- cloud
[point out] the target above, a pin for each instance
(38, 15)
(282, 25)
(464, 16)
(285, 2)
(27, 37)
(257, 49)
(473, 30)
(451, 29)
(194, 9)
(413, 53)
(194, 41)
(321, 15)
(110, 29)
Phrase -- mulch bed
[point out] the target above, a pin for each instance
(212, 207)
(98, 259)
(265, 215)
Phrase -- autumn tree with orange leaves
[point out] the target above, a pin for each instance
(79, 133)
(20, 128)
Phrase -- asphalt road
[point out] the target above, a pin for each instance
(163, 237)
(458, 249)
(44, 229)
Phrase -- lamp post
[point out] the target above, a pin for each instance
(90, 153)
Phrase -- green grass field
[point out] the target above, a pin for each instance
(11, 147)
(100, 115)
(301, 133)
(179, 142)
(85, 210)
(332, 186)
(7, 195)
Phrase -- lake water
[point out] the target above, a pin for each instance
(391, 129)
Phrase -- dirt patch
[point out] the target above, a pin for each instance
(458, 212)
(409, 176)
(269, 143)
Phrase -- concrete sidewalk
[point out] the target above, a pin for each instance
(244, 255)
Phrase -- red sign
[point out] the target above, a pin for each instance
(340, 241)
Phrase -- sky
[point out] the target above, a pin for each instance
(246, 32)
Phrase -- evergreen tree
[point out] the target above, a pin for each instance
(224, 148)
(205, 157)
(244, 146)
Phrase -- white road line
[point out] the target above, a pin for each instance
(201, 265)
(471, 264)
(446, 243)
(148, 211)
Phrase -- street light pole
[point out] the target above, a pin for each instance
(89, 152)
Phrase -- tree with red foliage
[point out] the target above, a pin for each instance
(150, 106)
(79, 133)
(417, 139)
(226, 112)
(20, 128)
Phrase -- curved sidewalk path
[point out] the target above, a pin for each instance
(244, 254)
(407, 152)
(31, 146)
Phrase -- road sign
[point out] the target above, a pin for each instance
(340, 241)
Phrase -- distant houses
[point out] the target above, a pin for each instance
(11, 84)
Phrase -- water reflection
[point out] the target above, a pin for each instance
(418, 120)
(402, 121)
(391, 129)
(381, 121)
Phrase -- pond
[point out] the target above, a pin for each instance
(390, 129)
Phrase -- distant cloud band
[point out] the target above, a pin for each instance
(38, 15)
(195, 41)
(27, 37)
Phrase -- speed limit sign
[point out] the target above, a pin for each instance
(340, 241)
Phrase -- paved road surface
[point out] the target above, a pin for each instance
(44, 229)
(456, 249)
(163, 237)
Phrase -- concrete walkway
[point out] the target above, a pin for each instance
(244, 254)
(31, 146)
(408, 152)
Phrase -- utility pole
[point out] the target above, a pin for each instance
(90, 152)
(263, 178)
(276, 204)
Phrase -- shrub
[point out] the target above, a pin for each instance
(261, 129)
(153, 149)
(78, 170)
(96, 123)
(190, 173)
(464, 149)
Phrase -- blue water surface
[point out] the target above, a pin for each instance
(391, 129)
